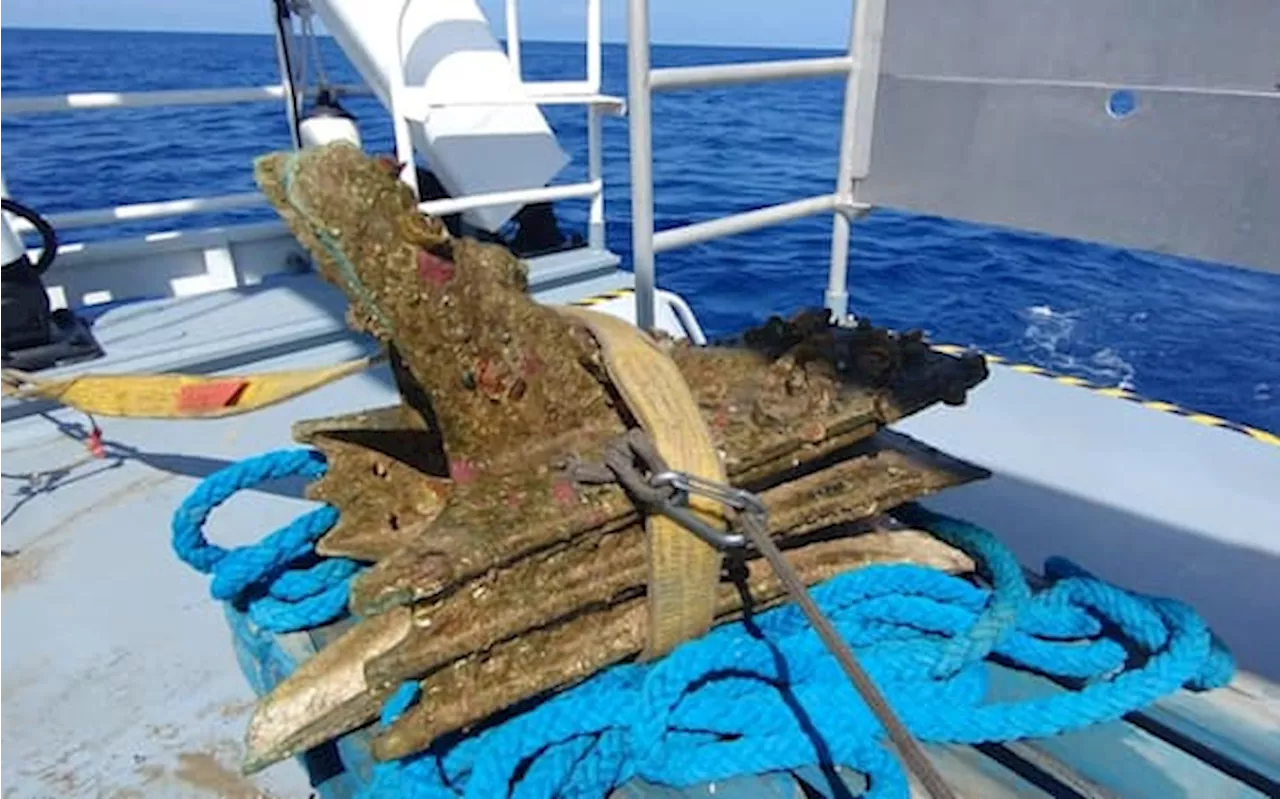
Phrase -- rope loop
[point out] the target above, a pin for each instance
(280, 580)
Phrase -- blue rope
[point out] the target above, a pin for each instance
(280, 582)
(761, 695)
(768, 697)
(1010, 591)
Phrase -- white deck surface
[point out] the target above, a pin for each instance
(1150, 501)
(118, 669)
(118, 673)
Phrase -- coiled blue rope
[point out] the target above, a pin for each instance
(764, 694)
(767, 696)
(279, 582)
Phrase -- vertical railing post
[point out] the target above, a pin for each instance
(595, 142)
(593, 46)
(400, 122)
(866, 31)
(282, 23)
(513, 36)
(641, 140)
(595, 172)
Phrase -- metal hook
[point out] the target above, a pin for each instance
(686, 484)
(677, 507)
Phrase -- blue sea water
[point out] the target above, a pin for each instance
(1203, 336)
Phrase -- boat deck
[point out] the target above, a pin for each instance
(120, 677)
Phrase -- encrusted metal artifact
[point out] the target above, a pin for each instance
(495, 576)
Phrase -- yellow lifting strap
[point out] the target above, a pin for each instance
(177, 396)
(683, 570)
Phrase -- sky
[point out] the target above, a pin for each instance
(793, 23)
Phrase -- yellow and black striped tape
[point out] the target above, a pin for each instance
(1124, 394)
(1026, 368)
(587, 302)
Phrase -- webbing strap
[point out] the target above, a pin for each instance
(177, 396)
(683, 570)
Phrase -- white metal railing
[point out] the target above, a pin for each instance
(406, 102)
(540, 94)
(78, 101)
(698, 232)
(860, 65)
(140, 211)
(571, 191)
(161, 209)
(403, 100)
(544, 93)
(856, 125)
(512, 14)
(750, 72)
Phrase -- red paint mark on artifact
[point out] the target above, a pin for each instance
(490, 379)
(433, 269)
(722, 418)
(564, 492)
(531, 365)
(462, 471)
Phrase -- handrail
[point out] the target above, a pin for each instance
(584, 92)
(153, 210)
(569, 191)
(669, 78)
(686, 317)
(547, 93)
(540, 93)
(78, 101)
(587, 92)
(698, 232)
(226, 202)
(860, 65)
